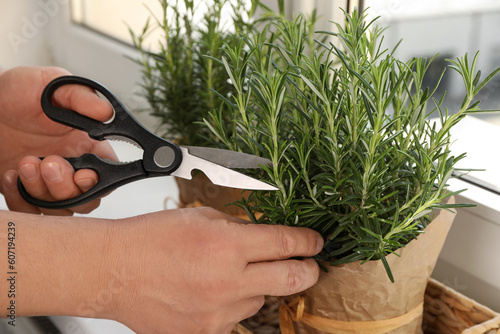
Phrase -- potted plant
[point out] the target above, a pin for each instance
(356, 156)
(181, 81)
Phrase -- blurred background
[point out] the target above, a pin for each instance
(448, 29)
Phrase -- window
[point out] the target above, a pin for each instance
(114, 17)
(95, 14)
(452, 29)
(427, 27)
(77, 47)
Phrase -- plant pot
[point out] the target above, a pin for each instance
(360, 298)
(200, 191)
(445, 311)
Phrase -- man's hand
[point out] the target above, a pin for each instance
(200, 271)
(180, 271)
(27, 133)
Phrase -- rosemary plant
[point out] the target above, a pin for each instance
(355, 154)
(179, 81)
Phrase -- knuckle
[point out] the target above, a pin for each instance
(293, 278)
(287, 244)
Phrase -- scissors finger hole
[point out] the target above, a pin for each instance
(112, 118)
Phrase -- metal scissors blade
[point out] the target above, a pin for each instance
(229, 159)
(218, 174)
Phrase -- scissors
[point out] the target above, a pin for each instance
(160, 157)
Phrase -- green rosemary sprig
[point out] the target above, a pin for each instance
(180, 81)
(346, 125)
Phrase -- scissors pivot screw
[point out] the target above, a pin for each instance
(164, 156)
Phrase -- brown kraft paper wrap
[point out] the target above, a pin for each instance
(360, 298)
(201, 191)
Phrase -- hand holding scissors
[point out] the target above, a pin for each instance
(160, 157)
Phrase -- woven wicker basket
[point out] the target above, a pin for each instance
(445, 312)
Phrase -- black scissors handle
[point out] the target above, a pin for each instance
(123, 124)
(111, 176)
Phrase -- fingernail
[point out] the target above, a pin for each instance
(29, 172)
(319, 245)
(86, 184)
(52, 172)
(10, 180)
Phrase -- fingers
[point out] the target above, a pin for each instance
(83, 100)
(268, 251)
(54, 179)
(85, 179)
(30, 175)
(281, 278)
(276, 242)
(271, 269)
(50, 179)
(79, 98)
(12, 197)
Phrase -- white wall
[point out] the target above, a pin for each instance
(23, 32)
